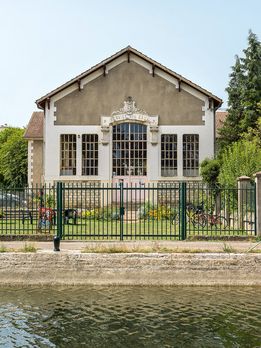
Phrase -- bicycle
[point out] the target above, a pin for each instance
(193, 214)
(218, 221)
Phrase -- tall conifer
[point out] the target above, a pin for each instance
(230, 132)
(244, 94)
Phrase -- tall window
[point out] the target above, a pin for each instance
(90, 154)
(68, 154)
(129, 152)
(169, 155)
(190, 155)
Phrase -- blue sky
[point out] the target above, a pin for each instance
(44, 43)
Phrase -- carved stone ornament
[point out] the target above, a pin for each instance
(154, 130)
(129, 108)
(129, 112)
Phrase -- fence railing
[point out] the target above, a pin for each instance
(109, 211)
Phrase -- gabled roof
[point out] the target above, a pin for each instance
(34, 129)
(220, 119)
(41, 101)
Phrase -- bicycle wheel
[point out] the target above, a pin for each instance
(175, 219)
(199, 220)
(219, 221)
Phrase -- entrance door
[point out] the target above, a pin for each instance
(129, 155)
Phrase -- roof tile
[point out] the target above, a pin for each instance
(34, 129)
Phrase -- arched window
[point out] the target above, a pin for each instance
(129, 151)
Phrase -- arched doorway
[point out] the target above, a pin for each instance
(129, 153)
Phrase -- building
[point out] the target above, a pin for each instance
(221, 116)
(126, 119)
(3, 126)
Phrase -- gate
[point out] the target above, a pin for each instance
(166, 210)
(121, 212)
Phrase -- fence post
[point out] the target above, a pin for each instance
(59, 209)
(258, 203)
(121, 210)
(242, 185)
(182, 210)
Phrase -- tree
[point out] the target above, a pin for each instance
(254, 134)
(241, 158)
(230, 132)
(244, 94)
(13, 158)
(209, 170)
(252, 91)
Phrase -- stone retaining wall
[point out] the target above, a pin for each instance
(74, 268)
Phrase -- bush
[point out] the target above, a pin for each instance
(107, 213)
(241, 158)
(209, 170)
(156, 212)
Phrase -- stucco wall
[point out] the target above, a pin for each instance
(37, 163)
(103, 95)
(185, 112)
(30, 163)
(130, 269)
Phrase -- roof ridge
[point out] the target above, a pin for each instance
(105, 61)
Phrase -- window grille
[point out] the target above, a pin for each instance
(129, 153)
(68, 154)
(190, 154)
(169, 155)
(90, 154)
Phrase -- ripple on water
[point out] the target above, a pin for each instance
(130, 317)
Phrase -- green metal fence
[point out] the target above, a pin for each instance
(221, 211)
(27, 211)
(119, 212)
(131, 212)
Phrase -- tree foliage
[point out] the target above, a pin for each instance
(241, 158)
(209, 170)
(244, 94)
(13, 158)
(240, 137)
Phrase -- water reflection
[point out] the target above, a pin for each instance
(130, 317)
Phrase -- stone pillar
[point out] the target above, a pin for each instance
(258, 203)
(243, 183)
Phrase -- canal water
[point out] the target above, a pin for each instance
(130, 317)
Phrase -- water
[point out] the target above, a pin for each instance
(130, 317)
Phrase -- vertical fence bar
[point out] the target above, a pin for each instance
(182, 210)
(255, 218)
(59, 210)
(121, 211)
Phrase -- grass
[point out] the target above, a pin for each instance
(227, 248)
(3, 249)
(28, 248)
(110, 230)
(155, 248)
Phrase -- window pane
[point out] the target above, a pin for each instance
(190, 154)
(90, 154)
(168, 155)
(127, 139)
(68, 154)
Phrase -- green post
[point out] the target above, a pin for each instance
(121, 211)
(182, 210)
(59, 209)
(255, 219)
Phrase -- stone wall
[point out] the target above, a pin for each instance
(74, 268)
(82, 195)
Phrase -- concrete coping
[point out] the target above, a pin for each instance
(244, 177)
